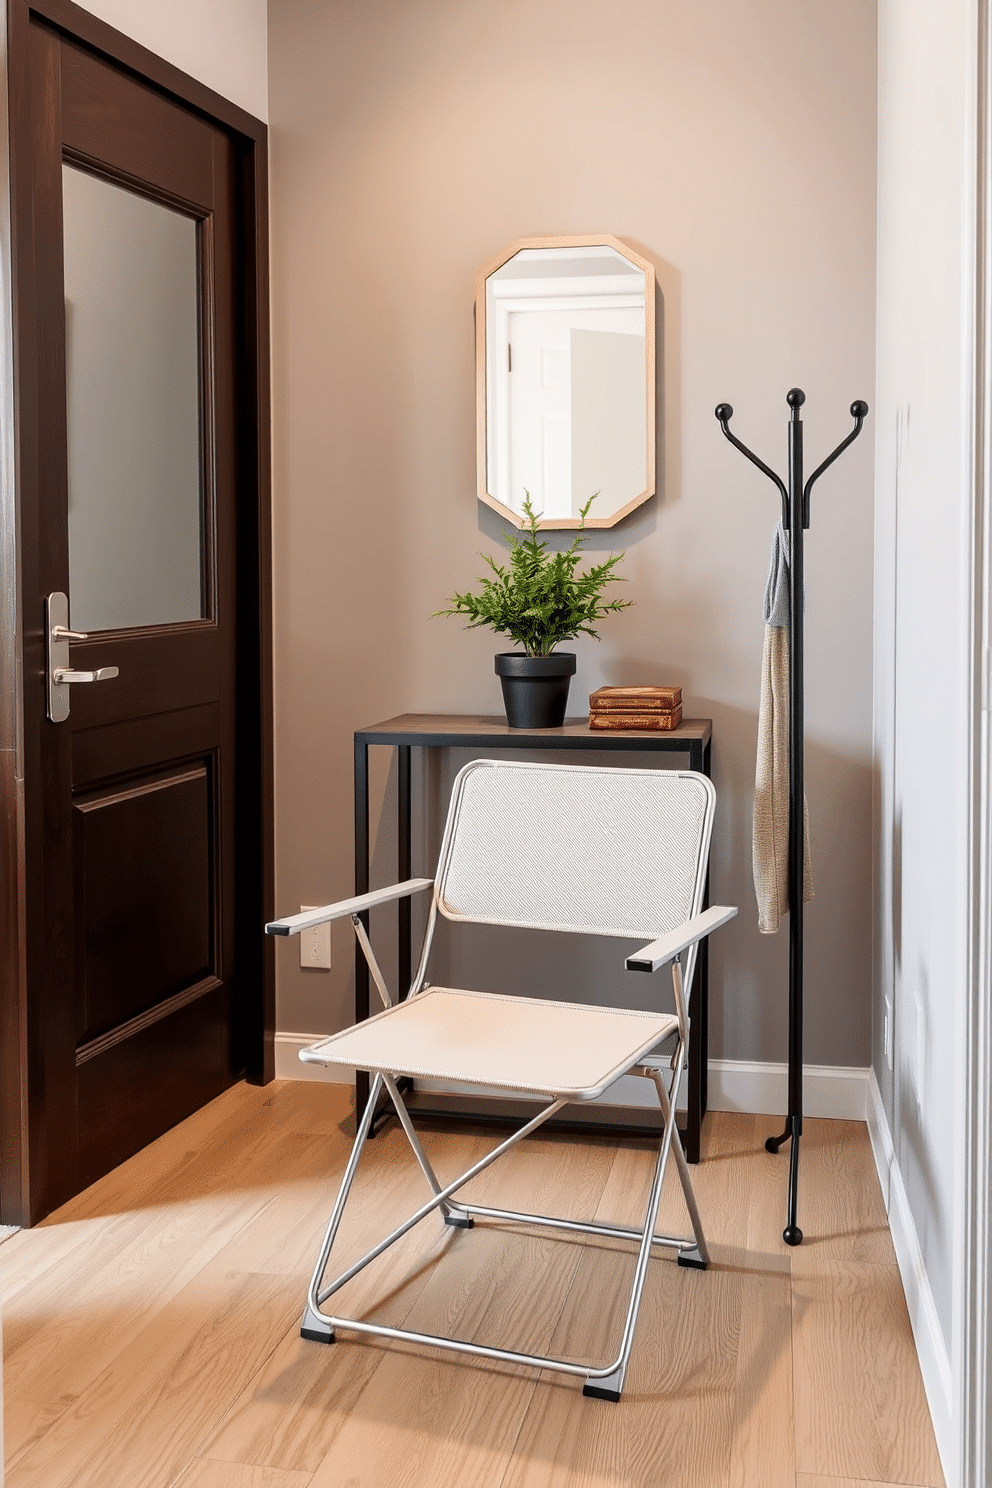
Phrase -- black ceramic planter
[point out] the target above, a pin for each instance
(535, 688)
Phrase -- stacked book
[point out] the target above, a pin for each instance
(622, 708)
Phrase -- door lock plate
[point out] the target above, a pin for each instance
(57, 614)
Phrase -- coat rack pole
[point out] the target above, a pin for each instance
(792, 1234)
(796, 518)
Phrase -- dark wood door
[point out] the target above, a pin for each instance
(141, 971)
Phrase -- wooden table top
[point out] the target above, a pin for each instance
(448, 728)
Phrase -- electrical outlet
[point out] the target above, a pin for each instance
(315, 944)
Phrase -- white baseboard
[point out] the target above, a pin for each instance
(834, 1091)
(734, 1085)
(739, 1085)
(935, 1364)
(289, 1066)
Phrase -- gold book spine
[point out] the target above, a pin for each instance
(618, 722)
(644, 700)
(637, 706)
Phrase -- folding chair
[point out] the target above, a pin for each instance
(555, 847)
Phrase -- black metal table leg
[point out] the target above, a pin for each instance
(404, 862)
(704, 975)
(404, 907)
(404, 858)
(361, 887)
(699, 1014)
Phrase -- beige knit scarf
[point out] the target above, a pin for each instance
(770, 836)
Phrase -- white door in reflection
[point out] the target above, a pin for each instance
(135, 464)
(576, 394)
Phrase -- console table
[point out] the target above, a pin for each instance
(484, 734)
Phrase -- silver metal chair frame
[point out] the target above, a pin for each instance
(605, 1381)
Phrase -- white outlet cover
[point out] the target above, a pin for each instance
(315, 945)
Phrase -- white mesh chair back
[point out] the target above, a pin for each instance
(568, 847)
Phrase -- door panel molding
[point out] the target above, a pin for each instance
(114, 795)
(97, 1046)
(38, 1160)
(161, 666)
(139, 744)
(187, 1045)
(147, 897)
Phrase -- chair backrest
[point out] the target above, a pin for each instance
(594, 850)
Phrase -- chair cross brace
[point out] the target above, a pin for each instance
(604, 1382)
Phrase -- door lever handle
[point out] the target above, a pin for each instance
(60, 674)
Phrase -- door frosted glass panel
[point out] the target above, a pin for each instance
(133, 402)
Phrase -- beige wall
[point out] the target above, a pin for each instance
(732, 145)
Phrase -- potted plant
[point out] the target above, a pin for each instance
(539, 599)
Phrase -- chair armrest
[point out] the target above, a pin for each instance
(667, 947)
(293, 924)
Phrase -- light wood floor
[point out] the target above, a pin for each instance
(151, 1326)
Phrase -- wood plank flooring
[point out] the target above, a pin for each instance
(151, 1326)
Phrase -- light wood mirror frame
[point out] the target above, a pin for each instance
(603, 240)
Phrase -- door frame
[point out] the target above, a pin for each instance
(32, 1091)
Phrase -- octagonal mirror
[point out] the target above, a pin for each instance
(565, 380)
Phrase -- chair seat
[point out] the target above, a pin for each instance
(525, 1044)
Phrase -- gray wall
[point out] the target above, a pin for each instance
(733, 146)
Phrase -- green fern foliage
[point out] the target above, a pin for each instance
(540, 599)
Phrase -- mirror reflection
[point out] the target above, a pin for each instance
(567, 380)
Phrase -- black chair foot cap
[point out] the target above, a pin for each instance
(692, 1262)
(316, 1337)
(600, 1392)
(792, 1235)
(458, 1223)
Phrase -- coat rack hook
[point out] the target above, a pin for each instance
(859, 412)
(724, 413)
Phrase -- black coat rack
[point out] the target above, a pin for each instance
(795, 518)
